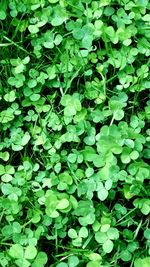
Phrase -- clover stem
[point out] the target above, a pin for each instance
(25, 224)
(87, 241)
(137, 230)
(13, 43)
(6, 244)
(126, 215)
(112, 120)
(56, 241)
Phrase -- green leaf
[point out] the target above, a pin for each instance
(101, 237)
(25, 139)
(31, 84)
(22, 263)
(93, 264)
(62, 264)
(2, 15)
(145, 262)
(83, 232)
(125, 158)
(4, 156)
(108, 184)
(6, 178)
(77, 242)
(2, 170)
(125, 255)
(10, 97)
(73, 261)
(16, 251)
(33, 29)
(134, 155)
(118, 114)
(87, 42)
(89, 172)
(89, 140)
(95, 257)
(6, 116)
(35, 97)
(72, 158)
(113, 233)
(110, 31)
(105, 227)
(51, 71)
(147, 234)
(102, 194)
(19, 68)
(63, 204)
(53, 1)
(72, 233)
(59, 16)
(108, 246)
(145, 209)
(69, 111)
(127, 42)
(30, 252)
(41, 260)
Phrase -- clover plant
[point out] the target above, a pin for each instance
(74, 133)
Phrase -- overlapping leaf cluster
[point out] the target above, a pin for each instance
(75, 136)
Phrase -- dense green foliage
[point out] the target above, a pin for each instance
(74, 133)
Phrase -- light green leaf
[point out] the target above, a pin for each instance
(72, 158)
(134, 155)
(63, 204)
(113, 233)
(108, 246)
(53, 1)
(35, 97)
(25, 139)
(73, 261)
(51, 71)
(83, 232)
(145, 209)
(22, 263)
(59, 16)
(16, 251)
(102, 194)
(147, 234)
(93, 264)
(118, 114)
(30, 252)
(2, 169)
(62, 264)
(2, 15)
(125, 255)
(10, 97)
(4, 156)
(101, 237)
(145, 262)
(89, 172)
(72, 233)
(19, 68)
(6, 178)
(127, 42)
(41, 260)
(108, 184)
(33, 29)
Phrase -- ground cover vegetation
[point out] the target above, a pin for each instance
(74, 133)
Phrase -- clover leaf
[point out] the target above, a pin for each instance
(59, 16)
(16, 251)
(10, 97)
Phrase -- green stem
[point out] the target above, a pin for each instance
(18, 46)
